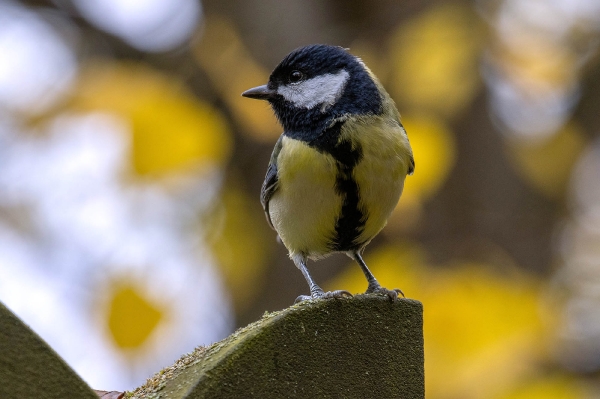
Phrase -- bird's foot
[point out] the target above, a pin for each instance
(320, 294)
(378, 289)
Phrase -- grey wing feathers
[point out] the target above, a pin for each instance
(270, 184)
(268, 189)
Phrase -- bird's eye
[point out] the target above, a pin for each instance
(296, 76)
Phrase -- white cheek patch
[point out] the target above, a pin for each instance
(322, 90)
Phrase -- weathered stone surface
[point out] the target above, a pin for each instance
(361, 347)
(30, 369)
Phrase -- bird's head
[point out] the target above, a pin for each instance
(315, 84)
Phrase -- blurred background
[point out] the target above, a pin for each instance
(130, 171)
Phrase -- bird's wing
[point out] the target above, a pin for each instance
(270, 184)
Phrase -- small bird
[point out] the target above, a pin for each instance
(338, 169)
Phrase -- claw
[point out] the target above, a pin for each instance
(302, 298)
(336, 294)
(392, 294)
(324, 295)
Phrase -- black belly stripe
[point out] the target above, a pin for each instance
(351, 221)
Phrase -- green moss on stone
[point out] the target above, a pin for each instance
(362, 347)
(30, 369)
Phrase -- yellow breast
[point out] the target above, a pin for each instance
(305, 206)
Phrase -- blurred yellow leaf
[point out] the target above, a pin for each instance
(232, 70)
(481, 324)
(547, 164)
(434, 150)
(477, 322)
(131, 316)
(172, 129)
(435, 153)
(241, 242)
(399, 266)
(435, 58)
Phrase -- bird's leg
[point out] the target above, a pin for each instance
(315, 290)
(374, 286)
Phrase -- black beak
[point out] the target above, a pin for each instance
(260, 93)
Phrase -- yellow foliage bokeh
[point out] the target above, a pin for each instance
(477, 322)
(131, 316)
(172, 130)
(547, 164)
(241, 243)
(434, 150)
(435, 59)
(232, 70)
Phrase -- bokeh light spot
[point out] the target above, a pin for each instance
(151, 25)
(547, 164)
(434, 150)
(172, 130)
(435, 59)
(241, 242)
(27, 43)
(232, 70)
(132, 317)
(176, 133)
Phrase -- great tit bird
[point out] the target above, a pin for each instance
(338, 169)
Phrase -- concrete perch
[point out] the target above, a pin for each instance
(361, 347)
(29, 368)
